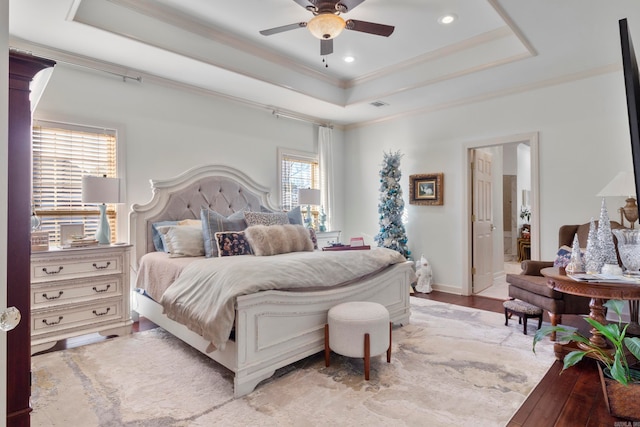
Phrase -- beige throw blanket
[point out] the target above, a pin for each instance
(203, 296)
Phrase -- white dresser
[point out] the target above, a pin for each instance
(79, 291)
(325, 238)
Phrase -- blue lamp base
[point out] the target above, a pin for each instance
(103, 233)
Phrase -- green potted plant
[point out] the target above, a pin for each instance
(620, 381)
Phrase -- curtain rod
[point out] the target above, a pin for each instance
(292, 116)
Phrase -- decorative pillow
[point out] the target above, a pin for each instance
(278, 239)
(191, 222)
(182, 241)
(314, 238)
(266, 218)
(213, 222)
(232, 243)
(563, 257)
(295, 216)
(156, 235)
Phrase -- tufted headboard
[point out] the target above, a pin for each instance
(221, 188)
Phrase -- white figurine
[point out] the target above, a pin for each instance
(424, 273)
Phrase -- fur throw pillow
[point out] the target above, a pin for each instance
(278, 239)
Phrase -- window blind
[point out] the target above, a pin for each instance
(62, 155)
(297, 171)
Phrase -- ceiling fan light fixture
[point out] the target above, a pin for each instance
(326, 26)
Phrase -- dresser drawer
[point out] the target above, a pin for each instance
(78, 316)
(74, 291)
(79, 266)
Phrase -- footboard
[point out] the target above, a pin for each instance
(275, 328)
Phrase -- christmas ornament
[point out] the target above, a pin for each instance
(605, 237)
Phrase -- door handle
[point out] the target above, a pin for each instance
(9, 318)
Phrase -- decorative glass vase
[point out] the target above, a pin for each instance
(629, 249)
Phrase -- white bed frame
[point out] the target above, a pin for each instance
(272, 328)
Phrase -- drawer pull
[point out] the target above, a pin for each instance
(101, 290)
(52, 272)
(52, 323)
(102, 267)
(103, 313)
(53, 297)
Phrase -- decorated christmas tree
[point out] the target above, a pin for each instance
(392, 233)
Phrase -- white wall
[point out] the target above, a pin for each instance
(166, 131)
(584, 140)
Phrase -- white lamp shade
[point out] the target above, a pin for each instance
(309, 196)
(97, 189)
(623, 184)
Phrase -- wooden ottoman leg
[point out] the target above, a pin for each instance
(389, 349)
(327, 350)
(540, 321)
(367, 356)
(524, 323)
(506, 317)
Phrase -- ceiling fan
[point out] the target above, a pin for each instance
(327, 23)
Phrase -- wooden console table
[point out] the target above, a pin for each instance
(599, 292)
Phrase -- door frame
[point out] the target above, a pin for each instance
(532, 139)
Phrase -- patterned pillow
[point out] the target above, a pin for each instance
(314, 238)
(278, 239)
(182, 241)
(266, 218)
(232, 243)
(213, 222)
(563, 257)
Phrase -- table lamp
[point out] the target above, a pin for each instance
(101, 190)
(309, 196)
(623, 184)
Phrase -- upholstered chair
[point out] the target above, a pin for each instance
(530, 286)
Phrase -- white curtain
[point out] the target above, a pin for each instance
(325, 158)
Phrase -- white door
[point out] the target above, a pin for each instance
(482, 221)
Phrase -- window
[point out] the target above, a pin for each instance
(297, 170)
(62, 154)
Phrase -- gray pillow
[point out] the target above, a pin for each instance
(213, 222)
(295, 216)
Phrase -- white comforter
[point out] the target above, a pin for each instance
(203, 296)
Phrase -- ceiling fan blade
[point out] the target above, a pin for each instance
(282, 29)
(349, 4)
(303, 3)
(326, 47)
(370, 27)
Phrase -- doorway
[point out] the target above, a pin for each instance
(511, 173)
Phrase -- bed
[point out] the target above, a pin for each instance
(271, 328)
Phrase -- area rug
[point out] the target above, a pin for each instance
(451, 366)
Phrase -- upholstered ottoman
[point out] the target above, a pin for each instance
(358, 329)
(523, 310)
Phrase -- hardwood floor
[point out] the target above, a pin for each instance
(572, 399)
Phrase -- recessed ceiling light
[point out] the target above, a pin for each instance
(349, 59)
(448, 18)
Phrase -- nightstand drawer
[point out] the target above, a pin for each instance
(59, 269)
(57, 320)
(88, 289)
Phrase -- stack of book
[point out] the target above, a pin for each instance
(80, 242)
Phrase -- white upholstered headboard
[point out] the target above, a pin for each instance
(221, 188)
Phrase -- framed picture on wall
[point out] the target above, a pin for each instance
(426, 189)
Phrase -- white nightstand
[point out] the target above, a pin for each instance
(325, 238)
(79, 291)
